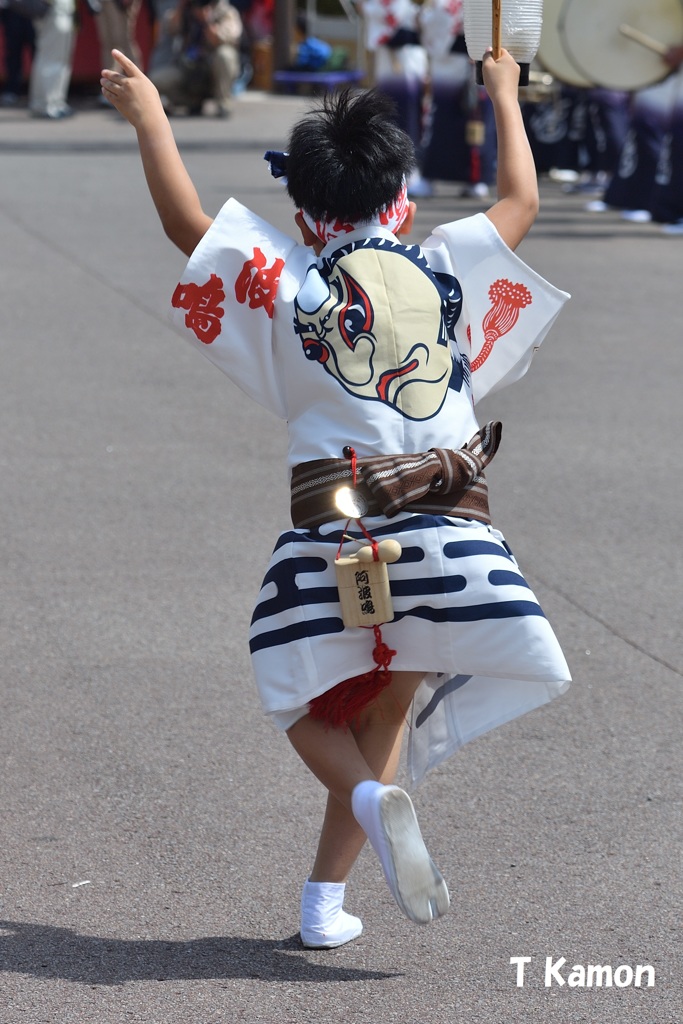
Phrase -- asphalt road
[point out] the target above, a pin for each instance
(155, 829)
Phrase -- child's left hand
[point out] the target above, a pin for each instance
(501, 77)
(130, 91)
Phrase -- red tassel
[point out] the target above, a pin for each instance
(342, 705)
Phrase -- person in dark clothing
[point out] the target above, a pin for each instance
(19, 41)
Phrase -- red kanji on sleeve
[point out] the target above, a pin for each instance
(258, 283)
(203, 305)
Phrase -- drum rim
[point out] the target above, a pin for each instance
(579, 81)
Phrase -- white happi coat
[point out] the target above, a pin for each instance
(384, 347)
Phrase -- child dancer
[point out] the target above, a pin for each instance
(373, 351)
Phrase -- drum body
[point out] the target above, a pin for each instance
(591, 34)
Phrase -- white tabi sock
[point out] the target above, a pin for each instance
(387, 815)
(324, 925)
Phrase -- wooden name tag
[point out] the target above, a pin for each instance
(363, 584)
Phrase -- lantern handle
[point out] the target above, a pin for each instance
(496, 29)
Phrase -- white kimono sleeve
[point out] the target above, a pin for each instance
(227, 301)
(507, 307)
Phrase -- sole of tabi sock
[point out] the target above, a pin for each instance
(324, 925)
(387, 815)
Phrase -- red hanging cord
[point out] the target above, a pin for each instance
(342, 705)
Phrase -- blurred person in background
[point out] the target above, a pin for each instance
(312, 53)
(19, 39)
(51, 69)
(257, 17)
(667, 195)
(401, 70)
(204, 56)
(648, 183)
(459, 141)
(116, 23)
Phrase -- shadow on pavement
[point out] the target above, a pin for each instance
(48, 952)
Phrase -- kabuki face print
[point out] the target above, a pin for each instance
(379, 321)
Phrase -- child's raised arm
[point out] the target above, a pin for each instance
(517, 205)
(174, 195)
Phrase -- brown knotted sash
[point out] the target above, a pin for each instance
(442, 481)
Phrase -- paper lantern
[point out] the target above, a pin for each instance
(520, 30)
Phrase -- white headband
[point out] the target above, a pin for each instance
(390, 217)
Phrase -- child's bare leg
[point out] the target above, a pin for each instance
(351, 765)
(341, 759)
(378, 740)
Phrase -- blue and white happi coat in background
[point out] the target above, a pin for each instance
(385, 347)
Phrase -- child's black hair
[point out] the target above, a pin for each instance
(348, 157)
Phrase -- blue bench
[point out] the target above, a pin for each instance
(291, 80)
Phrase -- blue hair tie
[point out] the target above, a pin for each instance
(277, 163)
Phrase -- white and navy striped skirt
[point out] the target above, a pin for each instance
(463, 615)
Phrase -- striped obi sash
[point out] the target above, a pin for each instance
(442, 481)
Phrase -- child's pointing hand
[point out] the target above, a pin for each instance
(130, 91)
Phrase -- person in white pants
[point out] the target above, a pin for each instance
(51, 70)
